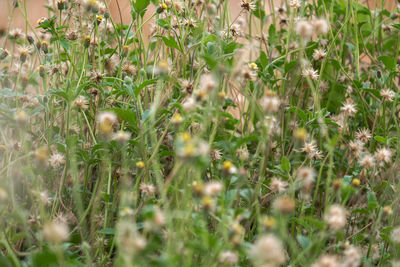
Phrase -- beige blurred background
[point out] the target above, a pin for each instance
(35, 10)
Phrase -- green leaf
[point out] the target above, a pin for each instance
(140, 6)
(285, 164)
(392, 140)
(144, 84)
(272, 36)
(303, 241)
(333, 141)
(247, 139)
(229, 48)
(290, 65)
(211, 62)
(247, 194)
(209, 38)
(363, 211)
(107, 231)
(163, 24)
(389, 62)
(303, 116)
(64, 43)
(146, 115)
(334, 63)
(82, 87)
(347, 180)
(4, 261)
(372, 202)
(127, 115)
(375, 92)
(259, 11)
(63, 94)
(170, 42)
(44, 258)
(380, 139)
(263, 59)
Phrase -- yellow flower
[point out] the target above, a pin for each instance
(186, 137)
(269, 222)
(198, 187)
(176, 118)
(42, 154)
(253, 66)
(99, 18)
(140, 164)
(41, 21)
(106, 121)
(387, 210)
(356, 182)
(125, 50)
(227, 165)
(21, 116)
(300, 134)
(208, 203)
(189, 150)
(3, 195)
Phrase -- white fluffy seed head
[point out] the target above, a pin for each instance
(383, 155)
(213, 188)
(304, 29)
(367, 161)
(351, 257)
(320, 25)
(327, 261)
(336, 217)
(278, 185)
(268, 250)
(229, 257)
(55, 232)
(56, 160)
(395, 235)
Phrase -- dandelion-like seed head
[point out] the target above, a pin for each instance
(267, 250)
(81, 102)
(284, 204)
(363, 135)
(327, 261)
(247, 5)
(388, 95)
(56, 160)
(304, 29)
(383, 155)
(147, 189)
(213, 188)
(367, 161)
(229, 257)
(55, 232)
(319, 54)
(295, 4)
(310, 73)
(278, 185)
(320, 25)
(121, 136)
(349, 109)
(336, 217)
(106, 120)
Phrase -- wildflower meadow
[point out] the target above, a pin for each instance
(265, 138)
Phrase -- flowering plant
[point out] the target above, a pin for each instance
(264, 135)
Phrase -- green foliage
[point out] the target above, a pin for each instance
(266, 139)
